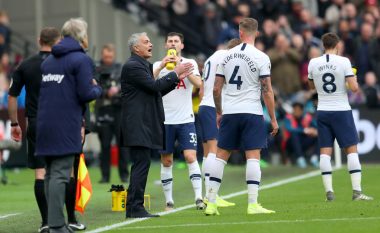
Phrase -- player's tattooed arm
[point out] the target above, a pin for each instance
(268, 96)
(218, 86)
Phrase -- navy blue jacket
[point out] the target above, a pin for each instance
(65, 89)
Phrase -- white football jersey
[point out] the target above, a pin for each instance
(208, 77)
(329, 73)
(242, 68)
(178, 104)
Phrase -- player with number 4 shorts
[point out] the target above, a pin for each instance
(331, 74)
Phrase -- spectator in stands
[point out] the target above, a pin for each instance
(284, 26)
(295, 13)
(231, 29)
(312, 6)
(301, 135)
(285, 70)
(371, 90)
(273, 8)
(361, 46)
(332, 15)
(211, 26)
(299, 45)
(269, 33)
(309, 38)
(347, 37)
(312, 53)
(229, 9)
(5, 32)
(374, 52)
(349, 13)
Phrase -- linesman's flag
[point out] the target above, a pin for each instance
(84, 187)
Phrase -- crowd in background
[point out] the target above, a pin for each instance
(290, 32)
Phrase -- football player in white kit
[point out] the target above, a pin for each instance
(179, 123)
(245, 71)
(329, 74)
(207, 116)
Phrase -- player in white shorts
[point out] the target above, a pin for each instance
(179, 123)
(245, 72)
(207, 116)
(329, 74)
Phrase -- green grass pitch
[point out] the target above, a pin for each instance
(300, 205)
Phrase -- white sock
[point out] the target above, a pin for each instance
(253, 178)
(196, 178)
(355, 169)
(326, 171)
(167, 182)
(216, 176)
(206, 171)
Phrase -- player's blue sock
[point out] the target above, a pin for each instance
(216, 176)
(167, 182)
(326, 171)
(196, 178)
(206, 166)
(355, 170)
(253, 178)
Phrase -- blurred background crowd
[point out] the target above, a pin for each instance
(290, 32)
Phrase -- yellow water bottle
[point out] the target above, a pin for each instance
(171, 65)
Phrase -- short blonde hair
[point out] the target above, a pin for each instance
(248, 25)
(75, 28)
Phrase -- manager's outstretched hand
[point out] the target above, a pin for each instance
(183, 70)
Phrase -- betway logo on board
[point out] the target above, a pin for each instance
(53, 78)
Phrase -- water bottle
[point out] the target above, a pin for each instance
(171, 65)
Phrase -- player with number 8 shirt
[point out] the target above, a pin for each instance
(328, 74)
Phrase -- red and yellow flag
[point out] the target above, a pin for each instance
(84, 187)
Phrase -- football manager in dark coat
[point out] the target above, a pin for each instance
(67, 85)
(143, 117)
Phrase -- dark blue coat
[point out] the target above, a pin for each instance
(65, 89)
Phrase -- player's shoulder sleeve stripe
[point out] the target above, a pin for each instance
(264, 76)
(349, 76)
(220, 75)
(243, 46)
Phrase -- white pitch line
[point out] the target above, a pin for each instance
(9, 215)
(268, 186)
(245, 223)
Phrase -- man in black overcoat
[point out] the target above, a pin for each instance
(142, 119)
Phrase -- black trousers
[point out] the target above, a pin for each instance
(106, 132)
(140, 157)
